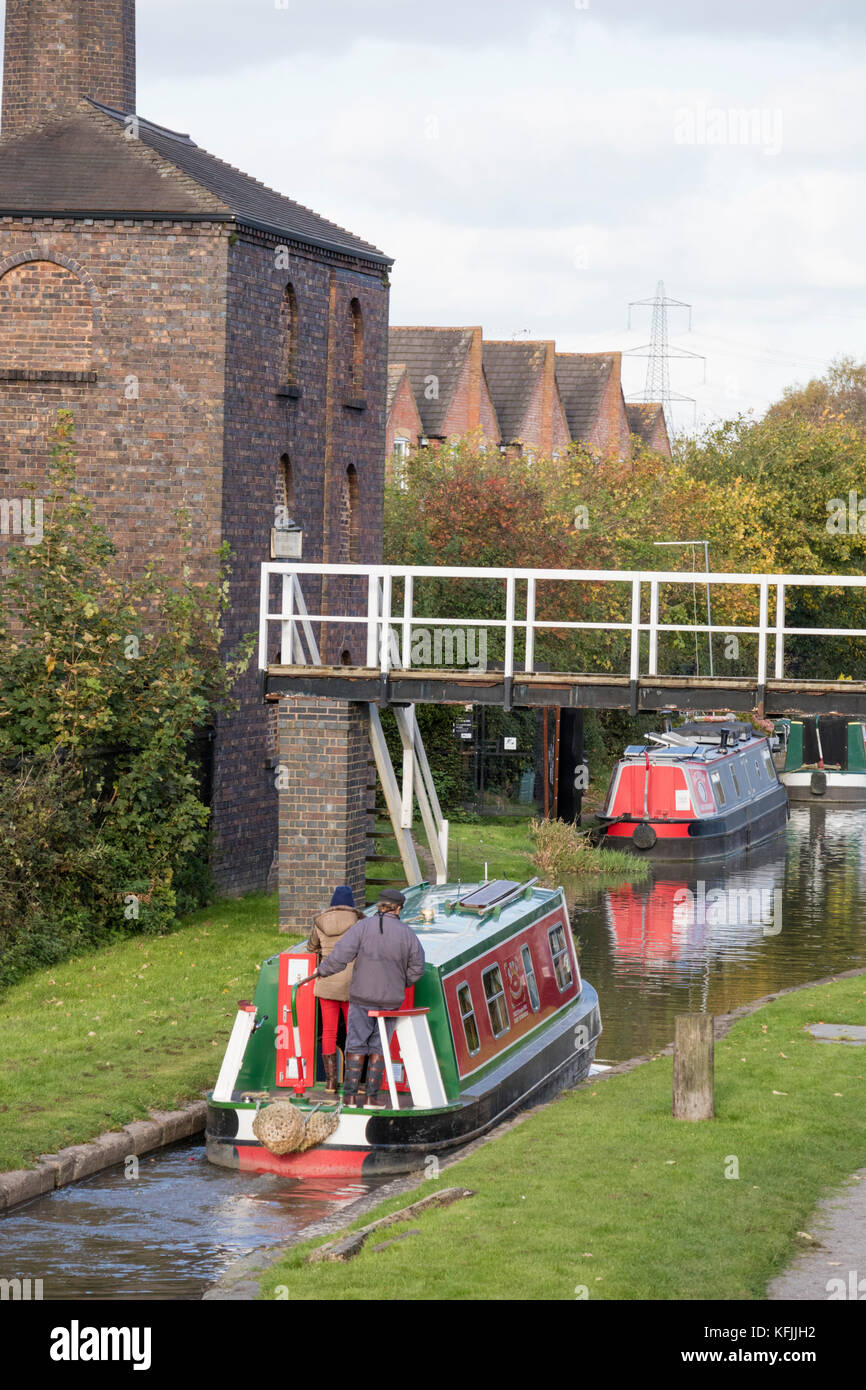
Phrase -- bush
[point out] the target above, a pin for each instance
(105, 680)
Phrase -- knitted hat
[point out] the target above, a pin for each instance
(343, 897)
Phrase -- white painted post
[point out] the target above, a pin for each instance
(780, 632)
(654, 628)
(287, 626)
(634, 667)
(763, 622)
(389, 1070)
(244, 1023)
(372, 617)
(385, 639)
(529, 663)
(264, 597)
(509, 627)
(408, 599)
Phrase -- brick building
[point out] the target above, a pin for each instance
(521, 377)
(646, 419)
(446, 372)
(520, 394)
(223, 349)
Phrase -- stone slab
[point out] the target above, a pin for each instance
(180, 1124)
(850, 1033)
(144, 1135)
(24, 1184)
(832, 1266)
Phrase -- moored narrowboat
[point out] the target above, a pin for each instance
(500, 1019)
(825, 760)
(699, 792)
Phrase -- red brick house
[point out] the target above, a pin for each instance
(223, 349)
(521, 377)
(446, 373)
(590, 385)
(646, 419)
(404, 428)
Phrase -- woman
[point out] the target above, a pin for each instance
(333, 992)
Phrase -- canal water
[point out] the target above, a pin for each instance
(791, 912)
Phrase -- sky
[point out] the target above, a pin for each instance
(535, 167)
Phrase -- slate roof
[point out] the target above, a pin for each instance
(431, 352)
(642, 418)
(582, 378)
(512, 370)
(82, 163)
(396, 373)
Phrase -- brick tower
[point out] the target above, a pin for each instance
(223, 351)
(60, 50)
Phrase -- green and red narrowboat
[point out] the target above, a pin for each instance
(825, 760)
(697, 793)
(500, 1019)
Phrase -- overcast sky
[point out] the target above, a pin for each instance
(537, 166)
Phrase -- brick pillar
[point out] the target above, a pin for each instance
(324, 750)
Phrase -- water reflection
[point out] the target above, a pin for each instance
(166, 1234)
(790, 912)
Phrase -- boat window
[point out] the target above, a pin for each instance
(719, 789)
(559, 951)
(735, 781)
(768, 764)
(757, 769)
(529, 972)
(495, 996)
(467, 1014)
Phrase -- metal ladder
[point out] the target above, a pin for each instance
(417, 779)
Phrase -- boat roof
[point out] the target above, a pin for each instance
(468, 917)
(674, 747)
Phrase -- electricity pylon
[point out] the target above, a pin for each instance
(659, 351)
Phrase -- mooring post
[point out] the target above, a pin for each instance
(693, 1067)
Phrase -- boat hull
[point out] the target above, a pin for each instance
(373, 1142)
(836, 788)
(713, 838)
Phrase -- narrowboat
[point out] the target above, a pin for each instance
(825, 760)
(500, 1019)
(697, 793)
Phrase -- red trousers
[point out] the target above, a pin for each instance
(331, 1009)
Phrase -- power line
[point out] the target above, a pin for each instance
(659, 352)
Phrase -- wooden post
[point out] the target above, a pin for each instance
(693, 1067)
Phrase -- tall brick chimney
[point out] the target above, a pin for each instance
(58, 51)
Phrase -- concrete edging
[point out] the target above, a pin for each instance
(79, 1161)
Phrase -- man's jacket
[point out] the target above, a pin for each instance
(387, 961)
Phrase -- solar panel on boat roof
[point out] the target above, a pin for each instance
(489, 893)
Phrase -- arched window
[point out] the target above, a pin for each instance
(289, 337)
(284, 495)
(47, 317)
(349, 518)
(357, 386)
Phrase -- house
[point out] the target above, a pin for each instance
(223, 350)
(521, 378)
(590, 385)
(646, 419)
(404, 428)
(446, 372)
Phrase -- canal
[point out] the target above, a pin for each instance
(791, 912)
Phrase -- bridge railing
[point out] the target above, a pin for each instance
(389, 633)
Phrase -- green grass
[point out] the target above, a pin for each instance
(604, 1191)
(97, 1041)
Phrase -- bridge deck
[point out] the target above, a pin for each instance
(575, 690)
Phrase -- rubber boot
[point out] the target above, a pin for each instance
(352, 1077)
(330, 1061)
(375, 1072)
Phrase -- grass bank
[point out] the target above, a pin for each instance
(99, 1040)
(604, 1195)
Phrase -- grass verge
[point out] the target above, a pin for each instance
(98, 1040)
(604, 1195)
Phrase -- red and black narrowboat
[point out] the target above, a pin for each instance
(699, 792)
(500, 1019)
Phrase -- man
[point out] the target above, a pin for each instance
(388, 958)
